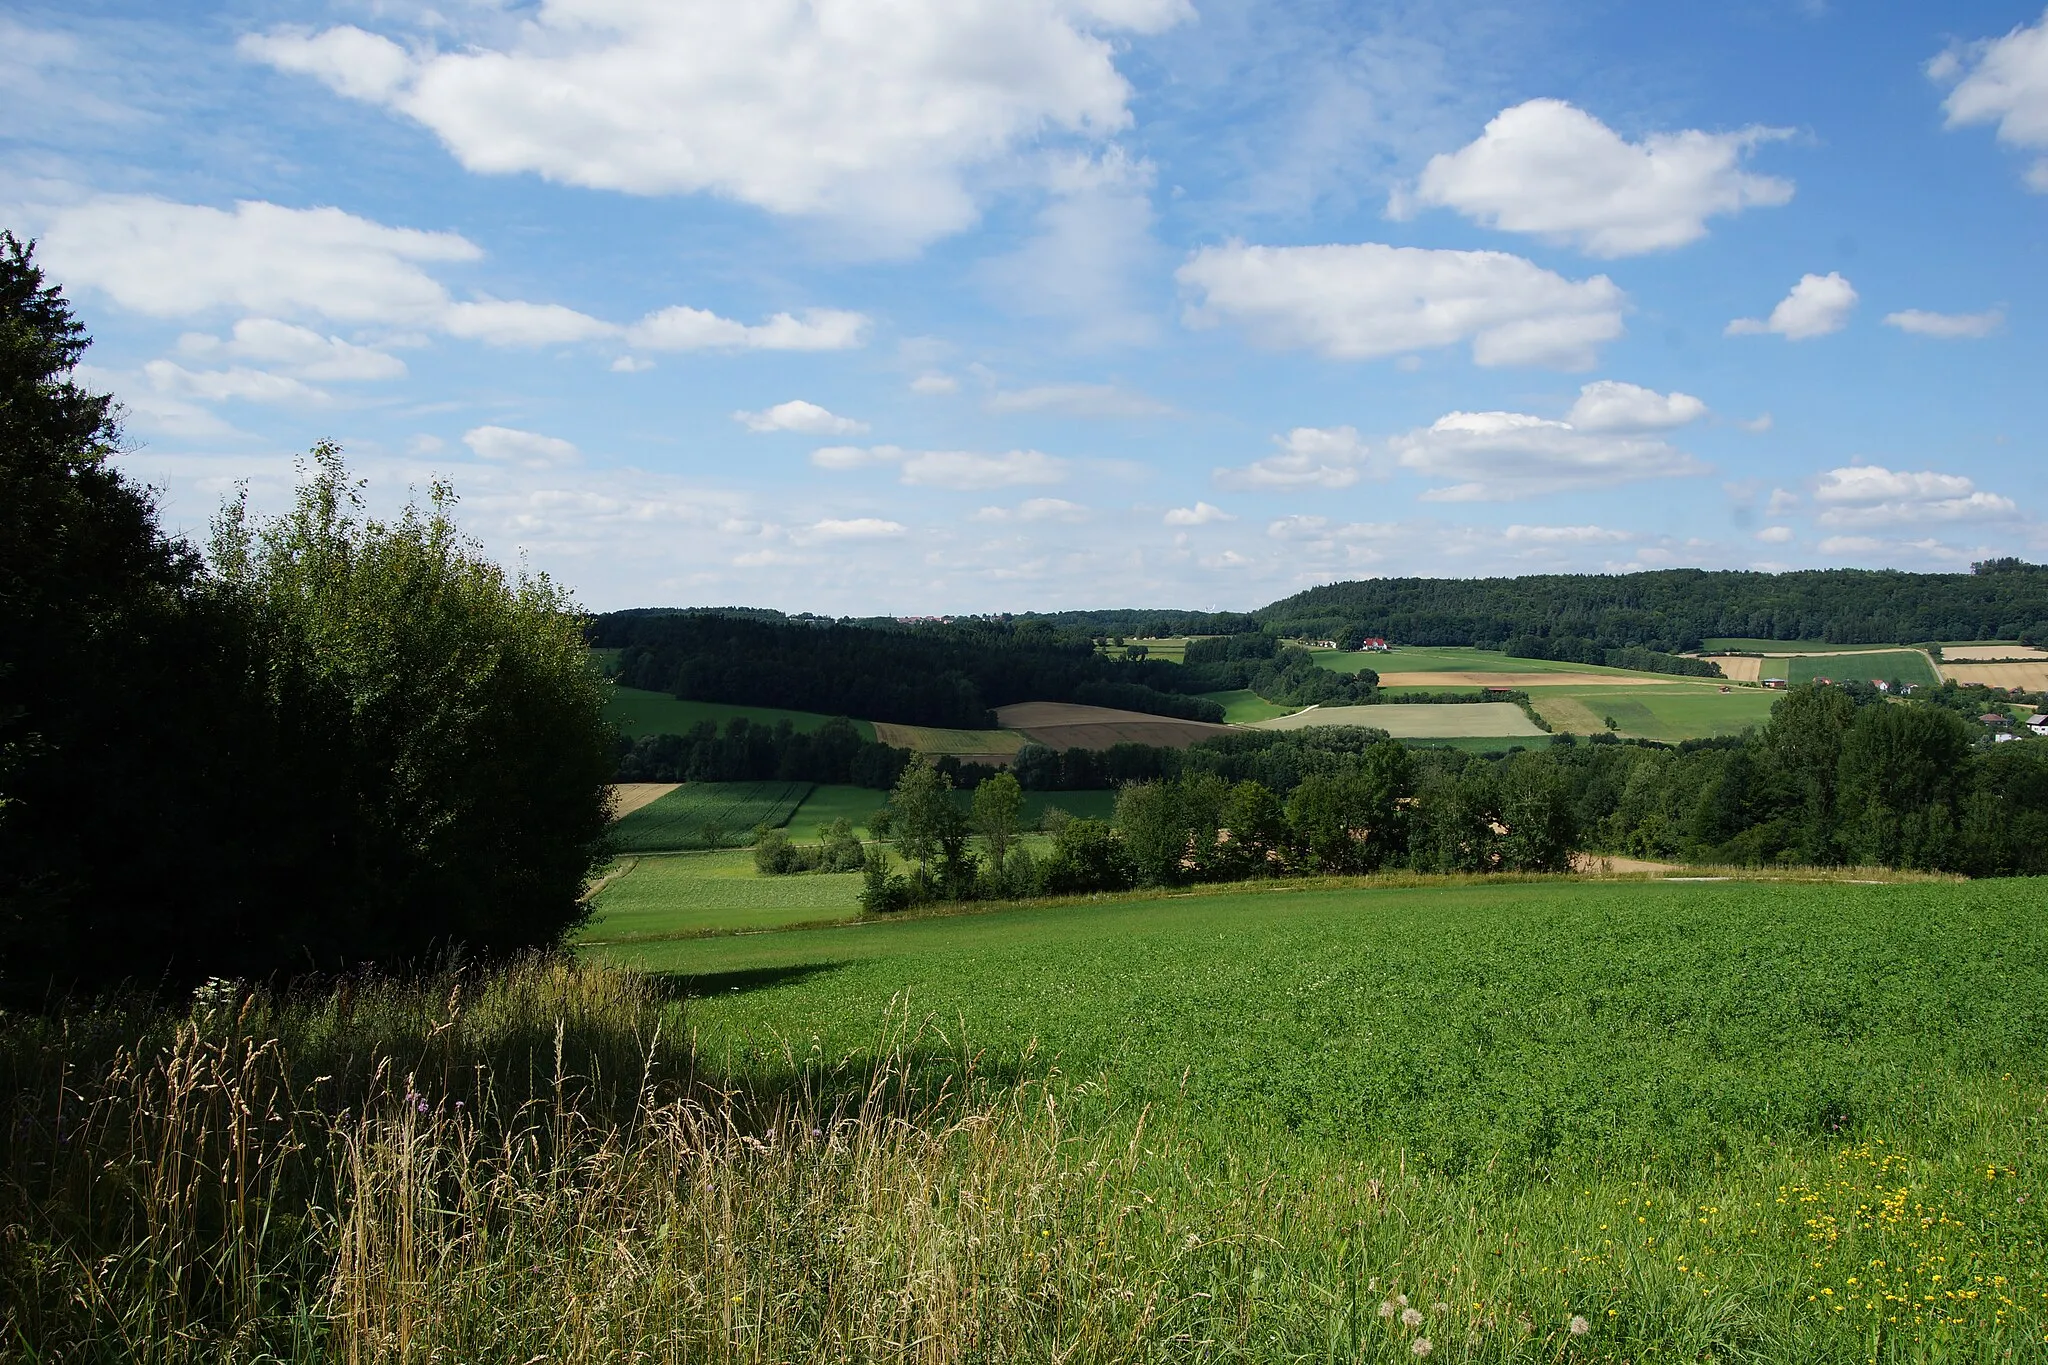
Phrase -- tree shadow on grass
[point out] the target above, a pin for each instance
(707, 985)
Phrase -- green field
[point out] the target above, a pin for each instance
(675, 895)
(1450, 659)
(1906, 665)
(688, 816)
(1745, 1121)
(636, 712)
(1245, 707)
(1668, 713)
(1747, 646)
(828, 803)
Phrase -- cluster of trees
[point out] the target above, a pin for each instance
(1359, 804)
(1275, 671)
(323, 741)
(1840, 775)
(943, 674)
(835, 752)
(1673, 610)
(1578, 650)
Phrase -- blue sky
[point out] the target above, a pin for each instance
(921, 306)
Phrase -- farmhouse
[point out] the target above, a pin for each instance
(1997, 720)
(2038, 724)
(1374, 644)
(1776, 684)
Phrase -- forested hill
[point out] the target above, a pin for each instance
(1675, 609)
(946, 675)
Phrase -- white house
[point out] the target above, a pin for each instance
(2038, 723)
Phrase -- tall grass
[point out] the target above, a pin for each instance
(528, 1166)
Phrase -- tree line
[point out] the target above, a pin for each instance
(319, 741)
(1674, 610)
(950, 675)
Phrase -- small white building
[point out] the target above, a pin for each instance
(2038, 724)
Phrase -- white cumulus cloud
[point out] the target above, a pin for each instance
(1609, 405)
(2003, 81)
(1860, 496)
(1309, 457)
(1493, 456)
(1817, 306)
(695, 329)
(932, 383)
(1553, 170)
(1201, 514)
(958, 470)
(1365, 301)
(511, 322)
(1775, 535)
(300, 351)
(856, 528)
(527, 449)
(800, 416)
(1036, 509)
(1947, 326)
(237, 382)
(817, 108)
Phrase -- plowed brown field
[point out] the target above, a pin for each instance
(1065, 725)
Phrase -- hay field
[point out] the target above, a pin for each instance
(1669, 714)
(628, 797)
(1992, 653)
(1476, 720)
(2031, 677)
(1747, 670)
(969, 746)
(1067, 725)
(1907, 665)
(1485, 678)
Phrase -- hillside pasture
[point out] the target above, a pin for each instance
(1754, 646)
(1490, 720)
(1066, 725)
(1667, 714)
(1905, 665)
(1576, 676)
(1446, 659)
(1246, 707)
(994, 747)
(636, 712)
(651, 898)
(2028, 677)
(707, 814)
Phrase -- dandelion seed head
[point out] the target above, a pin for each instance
(1579, 1326)
(1411, 1317)
(1421, 1346)
(1387, 1309)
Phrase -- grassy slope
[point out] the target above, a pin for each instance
(1605, 1024)
(1452, 659)
(1748, 646)
(636, 712)
(676, 821)
(1669, 714)
(1245, 707)
(692, 892)
(828, 803)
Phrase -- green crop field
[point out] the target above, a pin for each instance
(1906, 665)
(1669, 713)
(1751, 1121)
(1748, 646)
(1451, 659)
(675, 895)
(828, 803)
(693, 813)
(1246, 707)
(636, 712)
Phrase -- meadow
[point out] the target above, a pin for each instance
(1754, 1120)
(1669, 714)
(1448, 659)
(1903, 665)
(636, 712)
(707, 815)
(675, 895)
(1747, 645)
(1501, 720)
(1246, 707)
